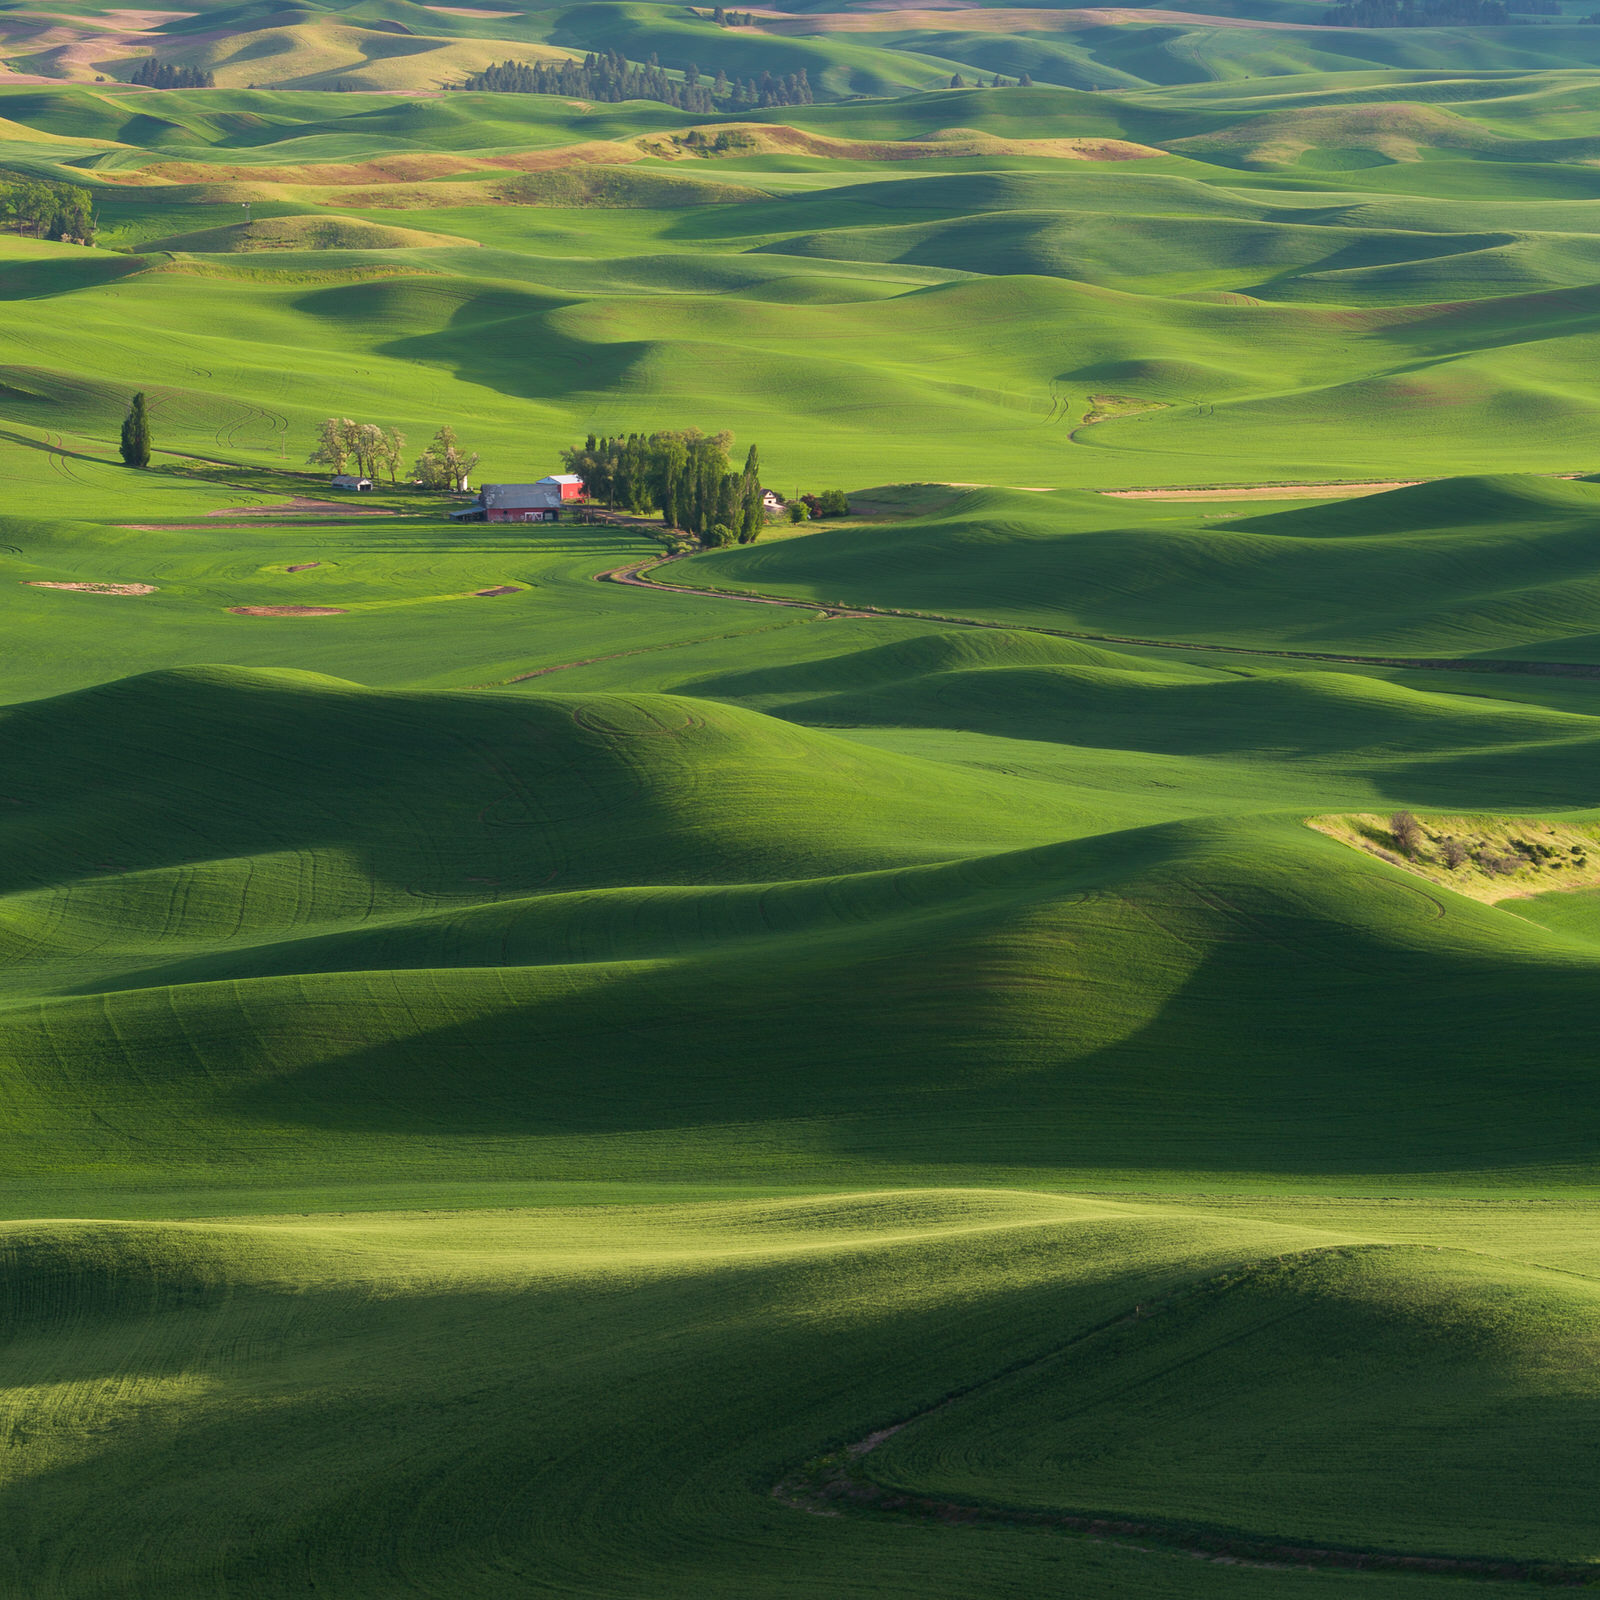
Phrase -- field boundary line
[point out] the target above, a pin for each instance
(638, 575)
(834, 1483)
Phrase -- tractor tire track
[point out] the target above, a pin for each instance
(637, 574)
(836, 1483)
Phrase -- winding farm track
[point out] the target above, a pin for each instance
(637, 575)
(836, 1483)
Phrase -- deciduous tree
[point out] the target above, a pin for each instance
(444, 464)
(336, 443)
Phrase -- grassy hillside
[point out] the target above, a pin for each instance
(1462, 567)
(944, 285)
(953, 1086)
(674, 1360)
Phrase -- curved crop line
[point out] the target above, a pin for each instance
(638, 574)
(833, 1484)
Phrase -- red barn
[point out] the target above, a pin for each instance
(523, 502)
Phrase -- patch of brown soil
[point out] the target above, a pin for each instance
(408, 168)
(504, 588)
(753, 138)
(305, 566)
(287, 611)
(592, 152)
(1268, 491)
(95, 588)
(126, 17)
(469, 11)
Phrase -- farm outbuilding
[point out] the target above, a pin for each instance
(349, 482)
(523, 502)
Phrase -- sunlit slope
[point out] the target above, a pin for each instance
(803, 288)
(986, 380)
(1461, 567)
(413, 1404)
(427, 935)
(405, 598)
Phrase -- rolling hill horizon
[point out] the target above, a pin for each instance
(1028, 1034)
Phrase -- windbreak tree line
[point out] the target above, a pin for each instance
(610, 77)
(686, 476)
(153, 74)
(48, 210)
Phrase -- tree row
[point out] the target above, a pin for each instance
(686, 476)
(610, 77)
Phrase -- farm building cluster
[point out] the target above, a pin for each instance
(523, 502)
(542, 501)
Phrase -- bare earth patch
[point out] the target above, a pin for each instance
(287, 611)
(305, 566)
(766, 138)
(504, 588)
(1267, 491)
(1495, 858)
(95, 588)
(1021, 488)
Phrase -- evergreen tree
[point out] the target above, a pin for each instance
(135, 446)
(153, 74)
(957, 82)
(752, 517)
(1024, 82)
(610, 77)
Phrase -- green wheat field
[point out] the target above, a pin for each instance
(1038, 1040)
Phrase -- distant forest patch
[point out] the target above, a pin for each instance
(610, 77)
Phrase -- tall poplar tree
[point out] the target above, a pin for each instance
(135, 446)
(752, 515)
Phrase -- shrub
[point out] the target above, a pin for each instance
(1454, 853)
(1407, 833)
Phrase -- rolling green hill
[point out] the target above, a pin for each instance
(515, 1084)
(1457, 568)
